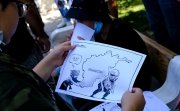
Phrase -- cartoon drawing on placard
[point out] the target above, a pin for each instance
(73, 79)
(98, 71)
(108, 78)
(92, 73)
(107, 85)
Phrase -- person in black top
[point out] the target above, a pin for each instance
(95, 14)
(25, 89)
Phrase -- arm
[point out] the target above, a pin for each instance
(34, 19)
(54, 59)
(133, 101)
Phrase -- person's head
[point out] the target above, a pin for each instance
(10, 11)
(89, 12)
(113, 74)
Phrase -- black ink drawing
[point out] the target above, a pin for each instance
(107, 85)
(97, 71)
(66, 85)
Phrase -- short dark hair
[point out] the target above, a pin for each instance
(96, 10)
(4, 3)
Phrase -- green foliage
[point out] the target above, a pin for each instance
(124, 3)
(133, 13)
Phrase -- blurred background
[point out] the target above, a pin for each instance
(131, 12)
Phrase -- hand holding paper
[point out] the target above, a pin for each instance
(92, 70)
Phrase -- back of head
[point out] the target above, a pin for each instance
(96, 10)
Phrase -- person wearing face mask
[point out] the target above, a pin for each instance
(95, 14)
(111, 31)
(24, 89)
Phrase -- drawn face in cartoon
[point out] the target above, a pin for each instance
(74, 75)
(113, 75)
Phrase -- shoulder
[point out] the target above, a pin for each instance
(125, 36)
(123, 27)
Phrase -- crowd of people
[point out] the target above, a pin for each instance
(24, 71)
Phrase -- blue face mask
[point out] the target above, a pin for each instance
(97, 27)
